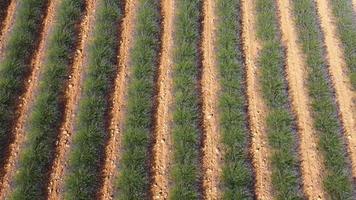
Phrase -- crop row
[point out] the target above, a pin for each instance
(237, 176)
(336, 181)
(186, 128)
(47, 114)
(279, 121)
(346, 23)
(133, 181)
(87, 154)
(16, 65)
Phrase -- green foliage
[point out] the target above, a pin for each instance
(86, 159)
(237, 176)
(133, 182)
(16, 65)
(186, 131)
(285, 172)
(47, 114)
(346, 23)
(336, 181)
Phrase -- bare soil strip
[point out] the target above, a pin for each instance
(256, 108)
(354, 5)
(345, 97)
(311, 161)
(4, 5)
(27, 102)
(211, 151)
(163, 141)
(7, 26)
(56, 180)
(119, 103)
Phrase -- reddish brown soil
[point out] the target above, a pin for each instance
(163, 141)
(73, 92)
(119, 102)
(7, 26)
(4, 8)
(27, 102)
(312, 167)
(311, 160)
(211, 149)
(345, 96)
(256, 108)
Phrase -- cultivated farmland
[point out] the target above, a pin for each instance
(177, 99)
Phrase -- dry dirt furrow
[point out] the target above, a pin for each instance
(4, 5)
(354, 5)
(256, 108)
(345, 96)
(72, 94)
(119, 101)
(163, 141)
(27, 101)
(210, 87)
(7, 25)
(311, 162)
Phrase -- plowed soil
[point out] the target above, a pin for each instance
(311, 162)
(119, 101)
(27, 102)
(210, 87)
(7, 26)
(345, 96)
(163, 141)
(256, 108)
(55, 189)
(211, 149)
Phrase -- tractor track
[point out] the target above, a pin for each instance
(72, 94)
